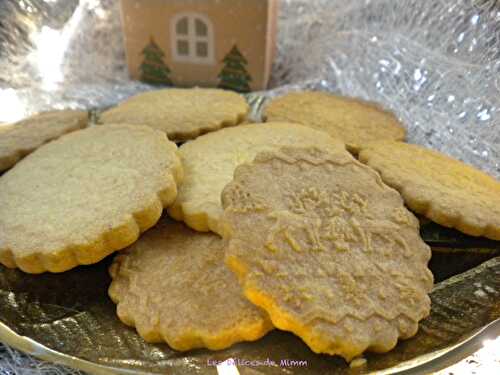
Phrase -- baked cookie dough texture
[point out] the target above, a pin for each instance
(173, 286)
(353, 121)
(182, 114)
(21, 138)
(327, 249)
(442, 189)
(89, 193)
(210, 160)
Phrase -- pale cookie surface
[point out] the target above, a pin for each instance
(442, 189)
(20, 139)
(354, 121)
(173, 286)
(181, 113)
(210, 160)
(89, 193)
(329, 251)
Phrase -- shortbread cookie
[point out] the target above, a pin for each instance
(330, 252)
(173, 286)
(20, 139)
(81, 197)
(181, 113)
(4, 127)
(442, 189)
(354, 121)
(210, 160)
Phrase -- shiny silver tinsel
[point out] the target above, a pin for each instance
(436, 63)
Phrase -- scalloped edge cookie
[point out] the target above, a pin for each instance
(112, 239)
(350, 335)
(205, 110)
(24, 137)
(253, 326)
(204, 214)
(336, 116)
(450, 204)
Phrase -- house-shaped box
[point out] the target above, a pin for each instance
(211, 43)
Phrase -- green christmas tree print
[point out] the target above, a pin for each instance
(153, 68)
(234, 75)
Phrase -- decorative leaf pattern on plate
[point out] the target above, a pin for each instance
(71, 314)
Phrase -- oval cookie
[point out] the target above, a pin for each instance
(173, 286)
(23, 137)
(181, 113)
(210, 160)
(354, 121)
(85, 195)
(442, 189)
(330, 252)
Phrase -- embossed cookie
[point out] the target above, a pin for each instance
(181, 113)
(327, 249)
(442, 189)
(210, 160)
(354, 121)
(89, 193)
(23, 137)
(173, 286)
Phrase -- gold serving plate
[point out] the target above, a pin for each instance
(69, 319)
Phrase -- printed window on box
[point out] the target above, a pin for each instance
(192, 38)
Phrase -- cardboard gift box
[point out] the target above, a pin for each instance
(210, 43)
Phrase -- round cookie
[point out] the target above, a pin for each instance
(327, 249)
(4, 126)
(181, 113)
(209, 162)
(354, 121)
(79, 198)
(173, 286)
(442, 189)
(20, 139)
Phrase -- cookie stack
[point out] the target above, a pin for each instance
(301, 223)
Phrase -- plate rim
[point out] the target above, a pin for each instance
(435, 361)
